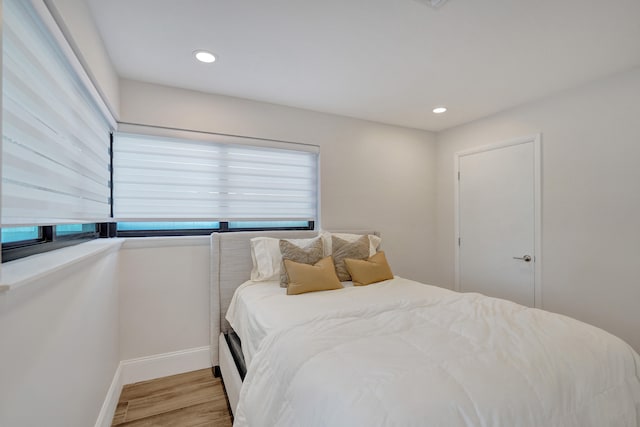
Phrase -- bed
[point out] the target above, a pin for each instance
(399, 352)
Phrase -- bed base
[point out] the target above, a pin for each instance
(230, 374)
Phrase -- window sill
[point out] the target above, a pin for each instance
(14, 274)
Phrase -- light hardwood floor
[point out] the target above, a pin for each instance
(186, 400)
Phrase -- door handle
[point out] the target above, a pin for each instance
(525, 258)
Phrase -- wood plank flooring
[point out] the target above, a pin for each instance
(192, 399)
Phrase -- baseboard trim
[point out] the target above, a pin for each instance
(148, 368)
(111, 401)
(165, 364)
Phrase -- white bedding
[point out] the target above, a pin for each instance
(403, 353)
(260, 308)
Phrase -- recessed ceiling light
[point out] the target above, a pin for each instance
(204, 56)
(440, 110)
(433, 3)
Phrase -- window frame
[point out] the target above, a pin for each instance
(48, 241)
(224, 228)
(310, 226)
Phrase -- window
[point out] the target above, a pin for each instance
(21, 234)
(19, 242)
(172, 228)
(185, 225)
(262, 225)
(55, 138)
(167, 185)
(73, 230)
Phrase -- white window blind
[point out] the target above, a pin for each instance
(55, 151)
(158, 178)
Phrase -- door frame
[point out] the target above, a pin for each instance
(537, 180)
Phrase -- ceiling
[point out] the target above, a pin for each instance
(389, 61)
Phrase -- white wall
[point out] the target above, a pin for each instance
(164, 295)
(76, 21)
(59, 346)
(590, 198)
(372, 175)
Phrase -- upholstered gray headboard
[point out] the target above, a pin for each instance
(231, 266)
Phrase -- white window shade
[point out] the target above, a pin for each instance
(55, 150)
(158, 178)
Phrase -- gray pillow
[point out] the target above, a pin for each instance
(307, 255)
(343, 249)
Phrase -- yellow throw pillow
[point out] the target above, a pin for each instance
(366, 272)
(320, 276)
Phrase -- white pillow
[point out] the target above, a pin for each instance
(267, 259)
(374, 241)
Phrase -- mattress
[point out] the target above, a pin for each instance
(258, 309)
(404, 353)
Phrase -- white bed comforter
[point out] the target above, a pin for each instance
(258, 309)
(438, 358)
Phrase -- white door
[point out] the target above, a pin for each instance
(498, 214)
